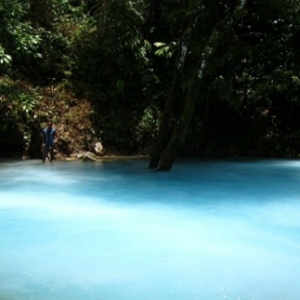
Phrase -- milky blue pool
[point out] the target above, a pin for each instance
(115, 230)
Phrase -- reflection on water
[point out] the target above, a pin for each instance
(207, 230)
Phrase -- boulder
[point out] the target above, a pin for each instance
(98, 148)
(86, 156)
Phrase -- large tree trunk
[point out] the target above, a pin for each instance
(166, 155)
(178, 135)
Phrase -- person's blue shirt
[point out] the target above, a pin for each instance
(49, 136)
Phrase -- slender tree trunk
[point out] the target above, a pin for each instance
(164, 127)
(178, 135)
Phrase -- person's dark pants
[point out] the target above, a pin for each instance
(47, 150)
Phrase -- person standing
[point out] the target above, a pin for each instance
(49, 136)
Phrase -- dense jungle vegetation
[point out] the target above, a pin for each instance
(159, 77)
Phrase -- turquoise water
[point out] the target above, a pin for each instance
(116, 230)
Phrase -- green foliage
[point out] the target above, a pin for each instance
(123, 55)
(40, 40)
(17, 98)
(17, 37)
(5, 59)
(164, 50)
(147, 127)
(115, 71)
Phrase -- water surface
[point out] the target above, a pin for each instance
(115, 230)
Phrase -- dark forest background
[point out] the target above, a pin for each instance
(154, 77)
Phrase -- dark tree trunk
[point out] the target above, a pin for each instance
(169, 154)
(164, 127)
(164, 155)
